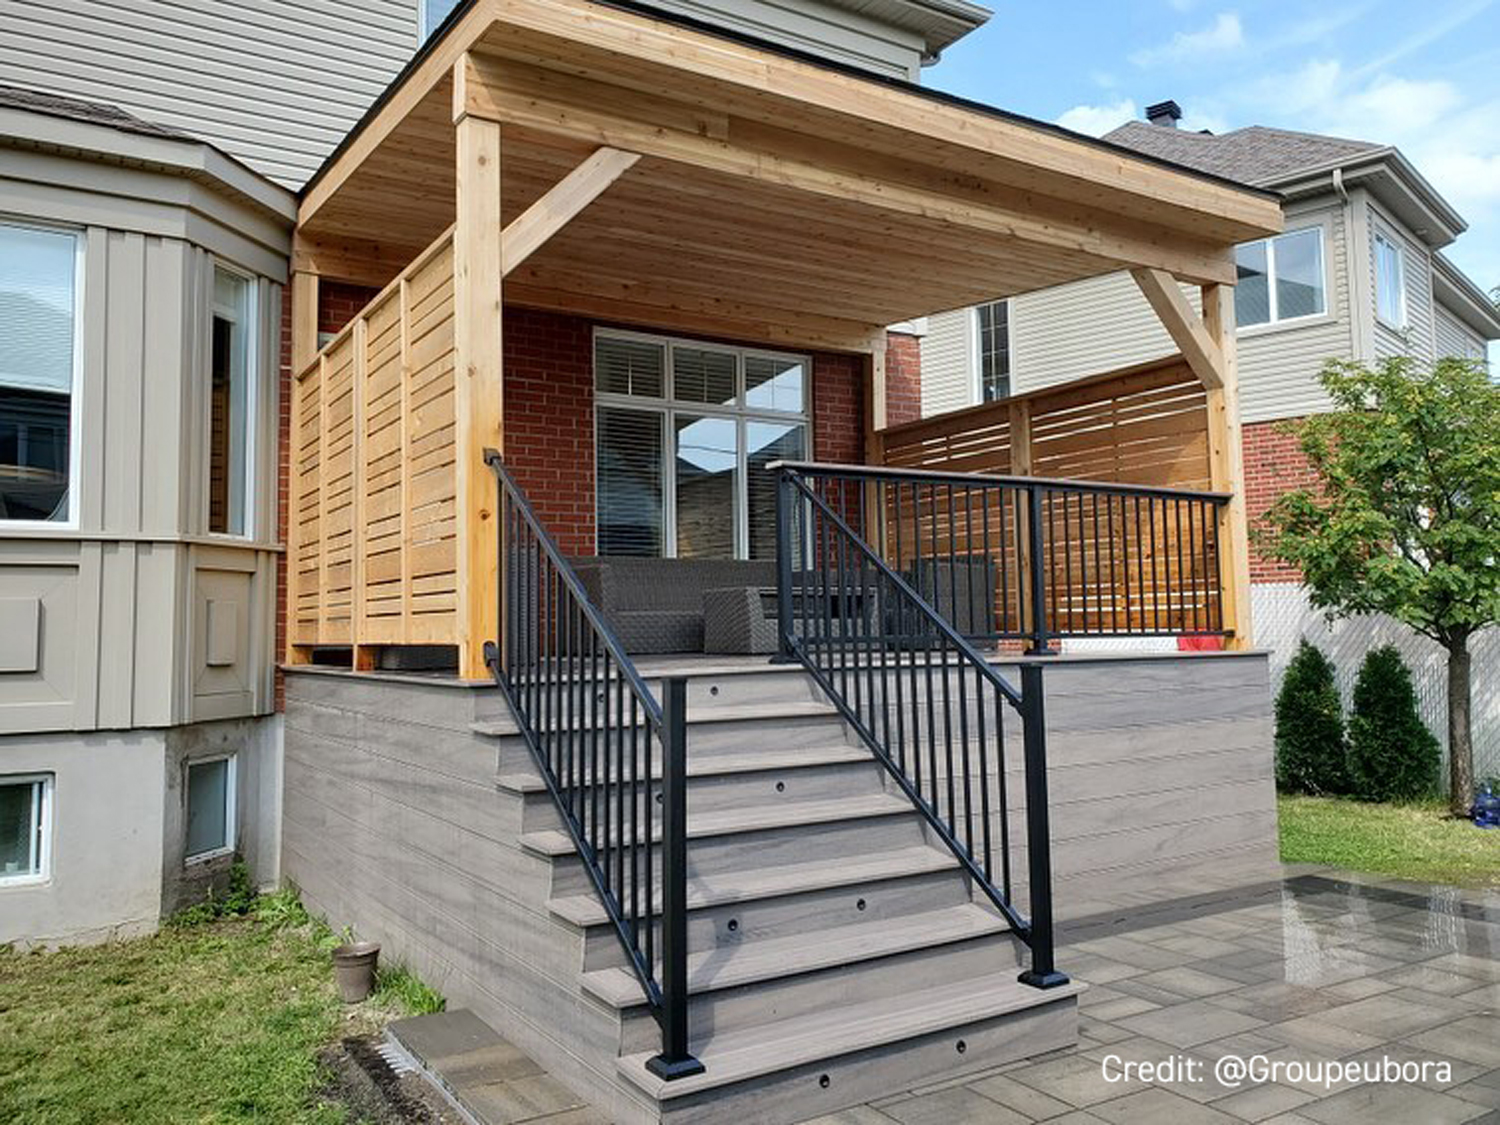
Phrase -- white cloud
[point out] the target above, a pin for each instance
(1223, 35)
(1096, 120)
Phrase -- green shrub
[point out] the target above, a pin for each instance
(1310, 747)
(1392, 754)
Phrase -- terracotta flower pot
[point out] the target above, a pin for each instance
(354, 966)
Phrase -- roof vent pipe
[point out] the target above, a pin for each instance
(1167, 113)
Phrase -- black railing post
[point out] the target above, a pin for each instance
(675, 1061)
(784, 546)
(1043, 972)
(1039, 631)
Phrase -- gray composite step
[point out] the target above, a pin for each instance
(755, 818)
(844, 1029)
(773, 882)
(723, 765)
(723, 967)
(736, 713)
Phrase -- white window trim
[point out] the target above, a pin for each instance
(1275, 323)
(231, 808)
(976, 352)
(252, 399)
(75, 405)
(1404, 312)
(43, 873)
(667, 406)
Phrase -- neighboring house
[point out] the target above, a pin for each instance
(140, 282)
(1358, 274)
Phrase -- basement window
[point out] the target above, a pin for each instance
(1280, 279)
(25, 829)
(210, 808)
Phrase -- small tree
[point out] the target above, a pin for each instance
(1392, 754)
(1310, 747)
(1406, 518)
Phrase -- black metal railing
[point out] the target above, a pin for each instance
(601, 742)
(930, 707)
(1035, 560)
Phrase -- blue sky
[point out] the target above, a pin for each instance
(1424, 77)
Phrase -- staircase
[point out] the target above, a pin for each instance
(836, 951)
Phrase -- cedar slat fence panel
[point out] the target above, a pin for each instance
(374, 523)
(1114, 566)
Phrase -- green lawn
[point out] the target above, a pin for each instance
(214, 1022)
(1418, 841)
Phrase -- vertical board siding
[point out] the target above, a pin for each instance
(276, 84)
(375, 535)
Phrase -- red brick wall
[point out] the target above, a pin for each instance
(1273, 465)
(903, 378)
(338, 302)
(838, 409)
(549, 420)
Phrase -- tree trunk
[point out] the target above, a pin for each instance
(1460, 733)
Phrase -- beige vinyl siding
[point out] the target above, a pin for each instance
(277, 84)
(948, 362)
(1279, 364)
(1417, 340)
(822, 29)
(1455, 338)
(1072, 331)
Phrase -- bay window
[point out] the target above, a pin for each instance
(1390, 283)
(229, 431)
(683, 434)
(1280, 278)
(39, 272)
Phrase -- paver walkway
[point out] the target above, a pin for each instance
(1318, 968)
(1321, 967)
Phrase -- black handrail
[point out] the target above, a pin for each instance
(592, 727)
(1035, 559)
(927, 704)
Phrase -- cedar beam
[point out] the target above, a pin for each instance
(1226, 461)
(528, 231)
(304, 319)
(1204, 354)
(478, 382)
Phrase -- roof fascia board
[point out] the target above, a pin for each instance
(1391, 177)
(1462, 296)
(187, 157)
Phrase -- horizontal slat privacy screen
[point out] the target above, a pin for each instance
(374, 523)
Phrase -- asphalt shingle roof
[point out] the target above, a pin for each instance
(1255, 155)
(91, 113)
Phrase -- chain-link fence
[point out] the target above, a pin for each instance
(1282, 617)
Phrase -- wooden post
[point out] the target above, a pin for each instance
(876, 415)
(1226, 461)
(304, 320)
(477, 273)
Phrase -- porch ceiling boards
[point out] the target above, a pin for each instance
(776, 198)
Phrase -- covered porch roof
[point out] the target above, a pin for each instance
(776, 197)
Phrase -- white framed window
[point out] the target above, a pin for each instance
(683, 432)
(41, 335)
(992, 350)
(1280, 279)
(25, 829)
(430, 16)
(210, 808)
(232, 366)
(1390, 282)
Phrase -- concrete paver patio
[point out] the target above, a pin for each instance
(1319, 967)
